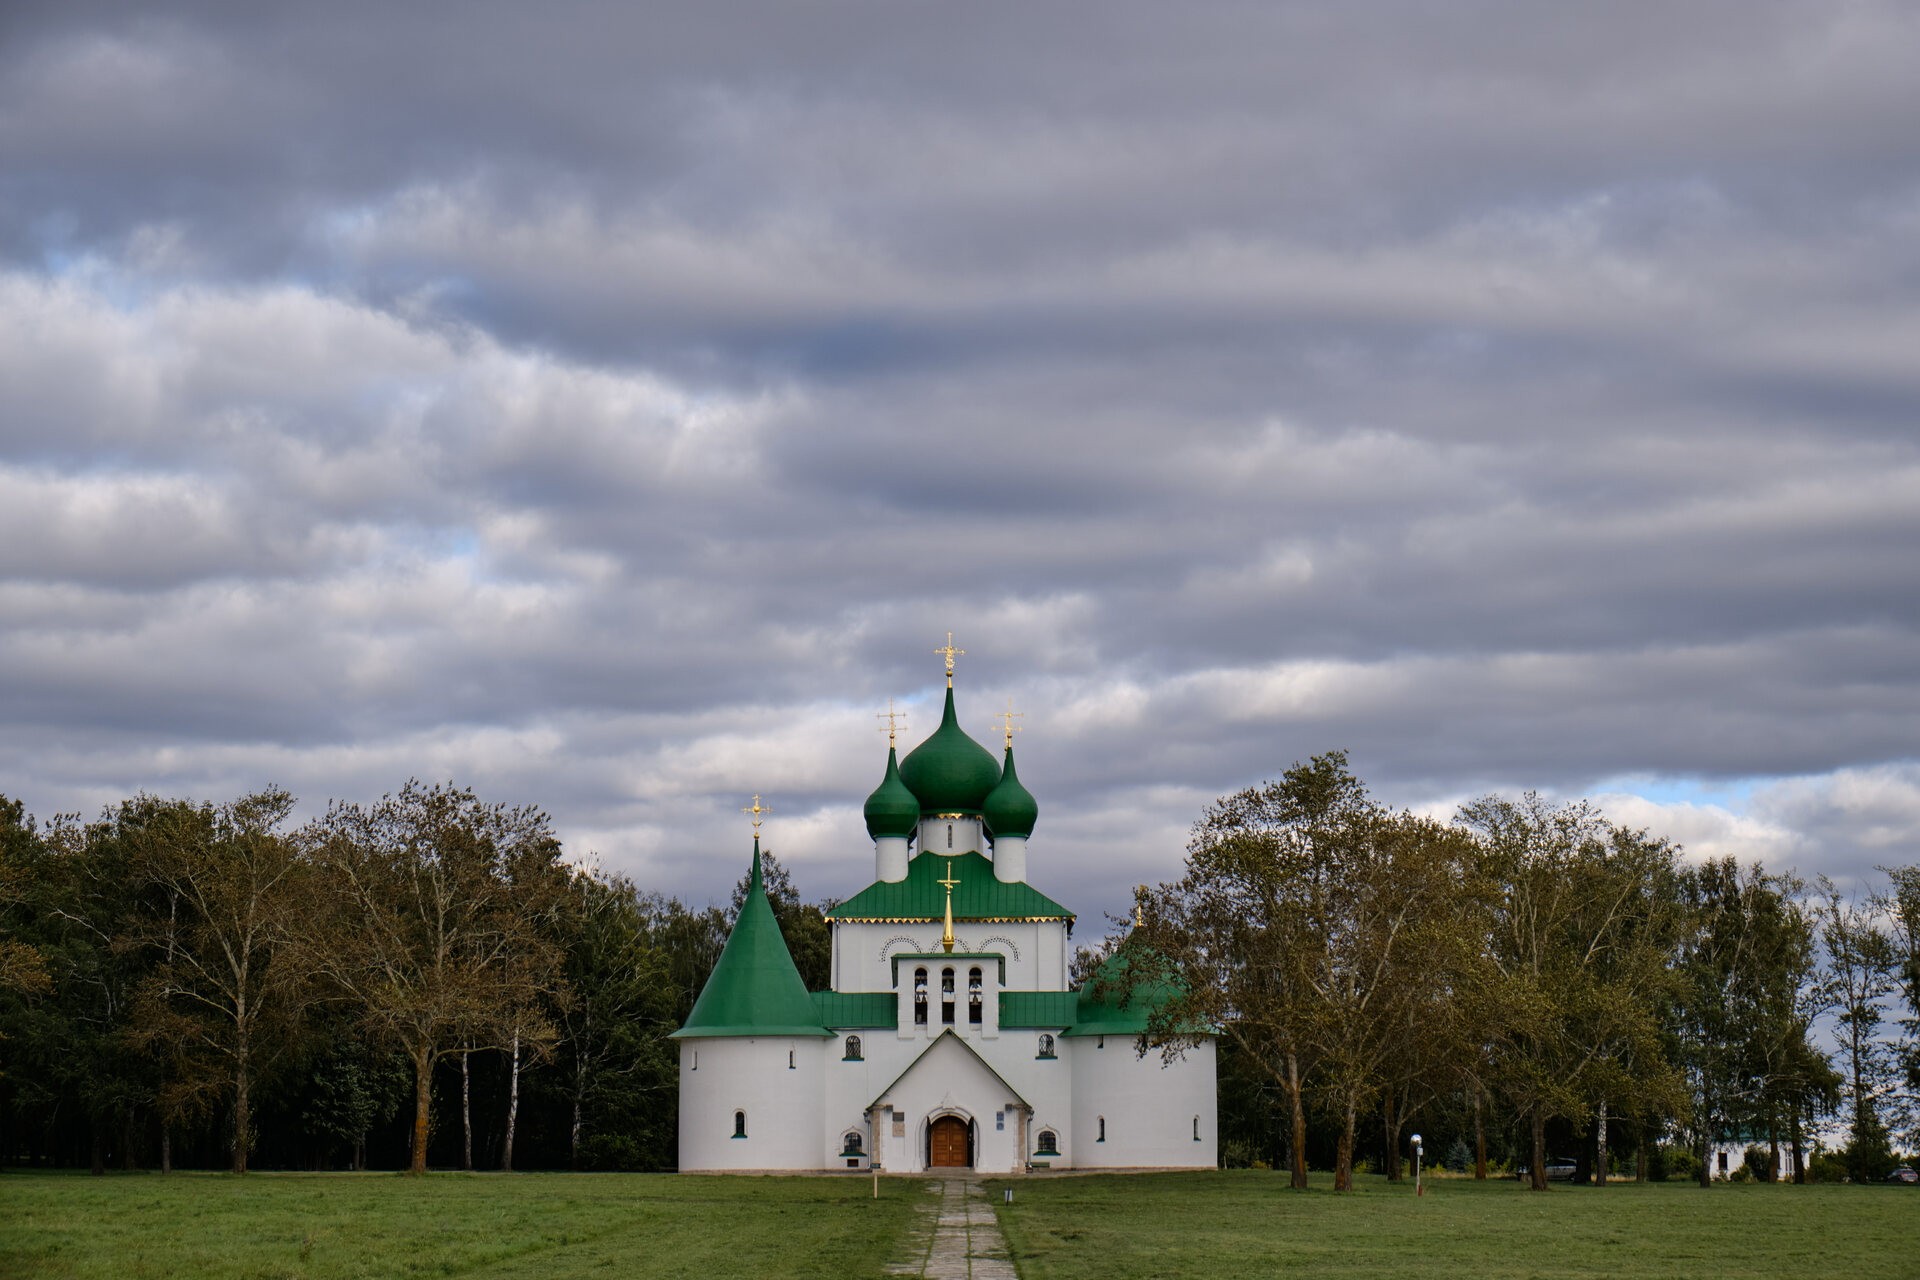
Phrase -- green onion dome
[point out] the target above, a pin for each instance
(1010, 809)
(891, 809)
(949, 772)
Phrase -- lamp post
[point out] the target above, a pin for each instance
(1418, 1190)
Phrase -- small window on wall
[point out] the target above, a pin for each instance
(949, 835)
(1103, 1130)
(1046, 1047)
(739, 1124)
(789, 1059)
(1000, 1122)
(1196, 1128)
(1048, 1144)
(853, 1049)
(851, 1145)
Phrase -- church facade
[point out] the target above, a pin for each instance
(950, 1035)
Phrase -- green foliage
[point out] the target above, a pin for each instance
(1459, 1156)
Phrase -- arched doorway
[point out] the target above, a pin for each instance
(949, 1144)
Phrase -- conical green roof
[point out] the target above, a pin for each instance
(754, 989)
(891, 809)
(1010, 809)
(949, 772)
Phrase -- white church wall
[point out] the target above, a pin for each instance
(945, 836)
(722, 1075)
(1134, 1112)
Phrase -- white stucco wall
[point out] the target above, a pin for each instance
(1149, 1106)
(725, 1074)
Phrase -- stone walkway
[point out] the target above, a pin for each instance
(965, 1241)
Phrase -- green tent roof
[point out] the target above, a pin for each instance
(978, 897)
(1124, 1007)
(754, 989)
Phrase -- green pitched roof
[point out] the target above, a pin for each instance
(949, 772)
(850, 1009)
(1123, 1009)
(978, 896)
(1049, 1009)
(754, 989)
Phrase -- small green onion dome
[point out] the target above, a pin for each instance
(949, 772)
(1010, 809)
(891, 809)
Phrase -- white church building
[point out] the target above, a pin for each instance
(950, 1036)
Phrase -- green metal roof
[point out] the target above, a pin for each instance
(1121, 1011)
(978, 897)
(949, 772)
(754, 989)
(892, 810)
(847, 1009)
(1010, 809)
(1049, 1009)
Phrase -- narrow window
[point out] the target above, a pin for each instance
(1196, 1128)
(1046, 1046)
(1000, 1121)
(696, 1061)
(946, 996)
(973, 996)
(1049, 1144)
(1103, 1130)
(853, 1048)
(949, 835)
(919, 997)
(739, 1124)
(789, 1059)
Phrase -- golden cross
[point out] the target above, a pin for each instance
(890, 716)
(951, 653)
(756, 809)
(946, 929)
(1010, 715)
(950, 881)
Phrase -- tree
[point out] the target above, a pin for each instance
(1860, 975)
(1579, 954)
(1900, 906)
(231, 883)
(436, 925)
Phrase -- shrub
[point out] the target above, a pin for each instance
(1675, 1164)
(1459, 1158)
(1826, 1167)
(1758, 1164)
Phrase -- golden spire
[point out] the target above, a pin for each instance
(1009, 716)
(946, 932)
(950, 653)
(1139, 906)
(891, 716)
(756, 809)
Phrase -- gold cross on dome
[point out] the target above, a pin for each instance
(950, 654)
(756, 809)
(946, 929)
(1010, 715)
(895, 720)
(950, 880)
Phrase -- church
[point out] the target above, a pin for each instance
(950, 1036)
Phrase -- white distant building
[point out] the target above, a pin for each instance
(950, 1037)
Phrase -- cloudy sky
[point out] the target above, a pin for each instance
(611, 407)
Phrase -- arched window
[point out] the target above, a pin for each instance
(1196, 1128)
(739, 1124)
(853, 1049)
(919, 997)
(946, 997)
(1049, 1144)
(973, 996)
(1103, 1130)
(850, 1145)
(1046, 1046)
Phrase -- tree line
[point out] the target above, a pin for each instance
(1531, 974)
(425, 979)
(211, 985)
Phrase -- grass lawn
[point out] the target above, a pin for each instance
(1119, 1227)
(266, 1226)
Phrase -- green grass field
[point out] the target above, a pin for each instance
(1248, 1224)
(336, 1226)
(1210, 1225)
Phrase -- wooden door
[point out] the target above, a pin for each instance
(948, 1143)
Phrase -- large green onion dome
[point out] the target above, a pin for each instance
(891, 809)
(1010, 809)
(949, 772)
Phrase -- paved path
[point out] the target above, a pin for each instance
(964, 1243)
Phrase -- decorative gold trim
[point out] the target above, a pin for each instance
(951, 817)
(935, 919)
